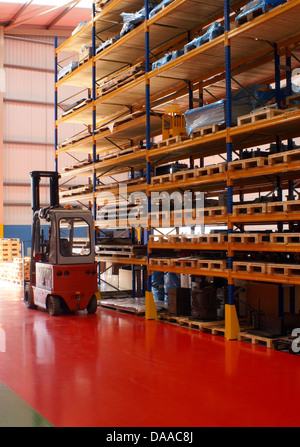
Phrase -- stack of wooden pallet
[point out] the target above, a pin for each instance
(15, 271)
(9, 249)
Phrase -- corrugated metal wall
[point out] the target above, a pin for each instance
(29, 122)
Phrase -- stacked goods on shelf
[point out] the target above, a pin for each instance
(16, 271)
(255, 8)
(9, 249)
(215, 30)
(244, 101)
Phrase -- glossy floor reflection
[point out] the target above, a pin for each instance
(116, 370)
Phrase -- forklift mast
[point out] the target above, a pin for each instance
(35, 188)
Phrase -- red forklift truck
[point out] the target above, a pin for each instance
(63, 271)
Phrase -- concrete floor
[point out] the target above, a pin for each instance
(117, 370)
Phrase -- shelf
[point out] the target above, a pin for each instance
(67, 196)
(278, 279)
(107, 22)
(119, 164)
(122, 114)
(125, 261)
(118, 133)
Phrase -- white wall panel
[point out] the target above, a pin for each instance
(27, 123)
(24, 53)
(18, 215)
(19, 160)
(29, 118)
(27, 85)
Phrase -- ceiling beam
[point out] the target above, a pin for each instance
(16, 24)
(21, 10)
(61, 15)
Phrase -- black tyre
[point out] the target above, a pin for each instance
(28, 297)
(53, 305)
(92, 306)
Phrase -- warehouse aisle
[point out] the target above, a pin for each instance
(116, 370)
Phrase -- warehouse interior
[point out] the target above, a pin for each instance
(149, 213)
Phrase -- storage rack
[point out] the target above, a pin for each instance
(249, 53)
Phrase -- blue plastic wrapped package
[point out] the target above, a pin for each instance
(256, 95)
(264, 5)
(158, 7)
(167, 58)
(215, 30)
(243, 102)
(106, 44)
(205, 116)
(66, 70)
(158, 286)
(132, 20)
(171, 281)
(78, 27)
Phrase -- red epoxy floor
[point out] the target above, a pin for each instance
(117, 370)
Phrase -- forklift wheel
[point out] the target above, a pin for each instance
(92, 306)
(28, 297)
(53, 305)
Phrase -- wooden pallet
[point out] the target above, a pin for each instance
(212, 211)
(9, 249)
(160, 262)
(115, 254)
(213, 327)
(127, 305)
(218, 238)
(256, 339)
(249, 209)
(76, 190)
(78, 106)
(284, 238)
(184, 263)
(252, 15)
(173, 140)
(249, 163)
(208, 130)
(248, 238)
(84, 58)
(289, 206)
(210, 264)
(258, 116)
(182, 176)
(193, 263)
(118, 84)
(162, 179)
(219, 168)
(284, 270)
(284, 157)
(250, 267)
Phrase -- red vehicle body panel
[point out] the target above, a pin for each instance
(76, 284)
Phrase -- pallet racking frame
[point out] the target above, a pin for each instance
(220, 61)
